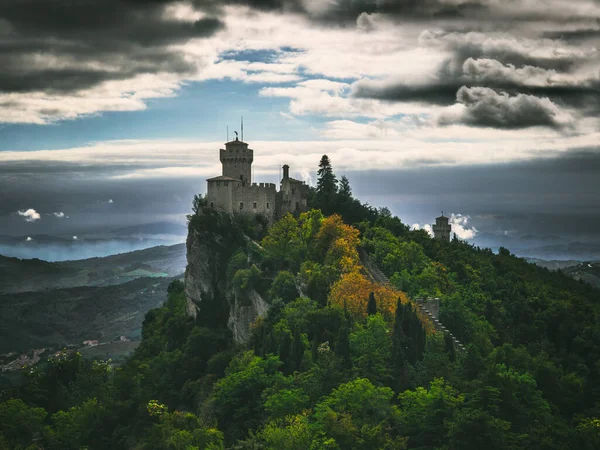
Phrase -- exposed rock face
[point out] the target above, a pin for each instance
(204, 282)
(211, 299)
(243, 315)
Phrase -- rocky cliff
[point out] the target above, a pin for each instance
(243, 313)
(213, 237)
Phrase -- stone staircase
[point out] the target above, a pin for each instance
(430, 307)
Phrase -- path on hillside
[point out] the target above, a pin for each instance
(376, 275)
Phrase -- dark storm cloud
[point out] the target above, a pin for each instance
(66, 45)
(348, 10)
(484, 107)
(504, 64)
(526, 72)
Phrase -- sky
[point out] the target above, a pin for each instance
(112, 112)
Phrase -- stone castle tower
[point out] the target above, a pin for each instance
(442, 229)
(237, 161)
(235, 192)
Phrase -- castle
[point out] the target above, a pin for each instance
(442, 229)
(234, 191)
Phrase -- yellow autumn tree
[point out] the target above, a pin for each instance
(338, 243)
(353, 289)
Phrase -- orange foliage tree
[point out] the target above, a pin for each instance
(353, 289)
(340, 243)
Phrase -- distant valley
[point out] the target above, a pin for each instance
(49, 304)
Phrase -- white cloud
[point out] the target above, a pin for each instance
(409, 141)
(425, 227)
(74, 238)
(462, 227)
(60, 215)
(30, 215)
(110, 200)
(28, 239)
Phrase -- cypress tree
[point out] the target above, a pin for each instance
(449, 344)
(297, 350)
(372, 305)
(285, 349)
(421, 340)
(343, 344)
(399, 348)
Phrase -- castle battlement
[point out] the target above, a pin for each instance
(262, 185)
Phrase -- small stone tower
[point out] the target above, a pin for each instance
(442, 229)
(237, 161)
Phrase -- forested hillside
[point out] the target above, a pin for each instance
(338, 361)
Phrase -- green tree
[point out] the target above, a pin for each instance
(284, 287)
(358, 415)
(371, 349)
(75, 428)
(237, 399)
(326, 186)
(19, 423)
(425, 413)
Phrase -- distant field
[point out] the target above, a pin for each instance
(114, 350)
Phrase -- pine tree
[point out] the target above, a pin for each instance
(372, 305)
(345, 192)
(326, 186)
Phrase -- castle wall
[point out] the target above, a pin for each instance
(256, 198)
(221, 194)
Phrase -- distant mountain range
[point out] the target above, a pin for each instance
(545, 247)
(161, 228)
(120, 240)
(21, 275)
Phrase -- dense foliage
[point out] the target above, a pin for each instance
(338, 361)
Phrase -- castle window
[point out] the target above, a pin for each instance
(212, 205)
(241, 205)
(218, 183)
(225, 183)
(267, 205)
(254, 205)
(293, 191)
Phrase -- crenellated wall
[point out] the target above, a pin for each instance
(258, 198)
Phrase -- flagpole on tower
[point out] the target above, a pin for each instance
(242, 128)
